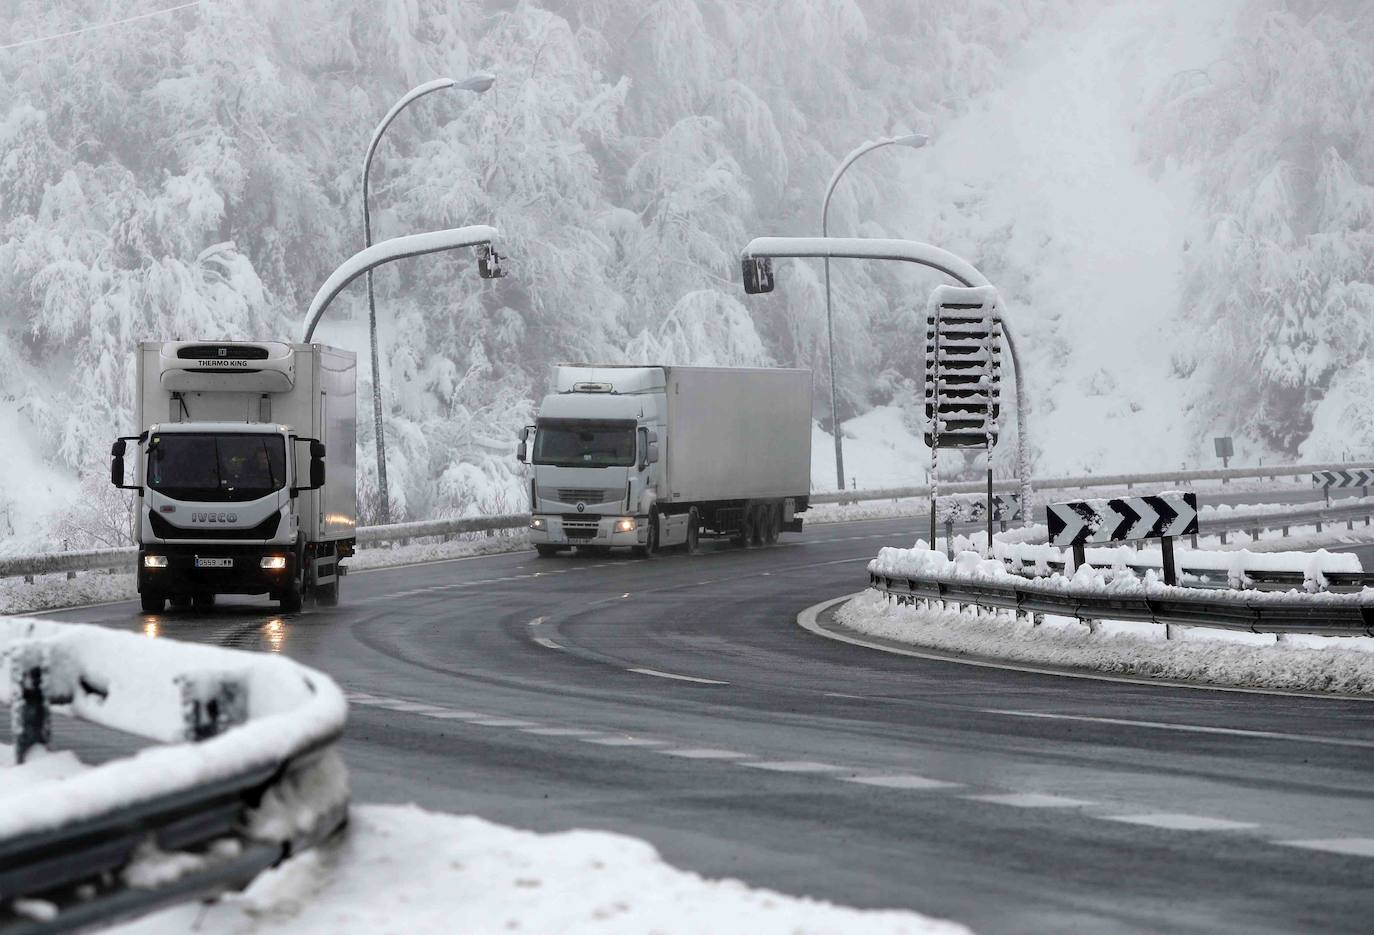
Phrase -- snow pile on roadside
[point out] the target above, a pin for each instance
(129, 683)
(1137, 650)
(1233, 561)
(402, 869)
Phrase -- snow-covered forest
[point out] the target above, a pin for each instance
(197, 175)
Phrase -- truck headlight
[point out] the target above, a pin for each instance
(625, 524)
(273, 562)
(538, 522)
(154, 561)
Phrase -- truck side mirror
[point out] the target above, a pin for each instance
(316, 449)
(316, 473)
(522, 450)
(117, 463)
(758, 274)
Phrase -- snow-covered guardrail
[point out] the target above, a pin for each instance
(1076, 483)
(921, 575)
(244, 772)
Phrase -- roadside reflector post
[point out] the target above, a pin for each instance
(1079, 559)
(1166, 547)
(949, 537)
(990, 511)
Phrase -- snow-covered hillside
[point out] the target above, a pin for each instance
(195, 174)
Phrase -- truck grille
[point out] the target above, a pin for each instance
(580, 528)
(580, 495)
(264, 530)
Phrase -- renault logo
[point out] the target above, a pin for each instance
(581, 507)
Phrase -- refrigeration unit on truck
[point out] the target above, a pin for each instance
(651, 457)
(244, 467)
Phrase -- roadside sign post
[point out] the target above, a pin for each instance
(1125, 519)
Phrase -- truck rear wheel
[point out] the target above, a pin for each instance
(758, 519)
(151, 603)
(774, 526)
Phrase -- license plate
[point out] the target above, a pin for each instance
(214, 562)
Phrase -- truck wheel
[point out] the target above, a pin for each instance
(650, 545)
(774, 527)
(546, 551)
(745, 534)
(693, 532)
(757, 521)
(151, 603)
(291, 595)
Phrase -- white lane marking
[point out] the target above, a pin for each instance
(1029, 800)
(703, 753)
(1176, 822)
(559, 731)
(451, 715)
(411, 707)
(680, 678)
(795, 766)
(1192, 728)
(360, 697)
(504, 722)
(1352, 847)
(546, 642)
(843, 695)
(625, 741)
(901, 782)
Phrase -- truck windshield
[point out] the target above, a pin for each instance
(582, 443)
(230, 468)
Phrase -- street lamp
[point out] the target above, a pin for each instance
(915, 141)
(477, 83)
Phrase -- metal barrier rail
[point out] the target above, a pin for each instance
(1328, 615)
(1073, 483)
(231, 804)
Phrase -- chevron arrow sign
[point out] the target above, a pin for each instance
(1122, 519)
(1351, 477)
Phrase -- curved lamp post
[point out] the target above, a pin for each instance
(915, 141)
(477, 83)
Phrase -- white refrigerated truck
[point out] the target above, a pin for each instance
(651, 457)
(234, 495)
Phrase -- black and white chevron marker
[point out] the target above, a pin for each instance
(1352, 477)
(1122, 519)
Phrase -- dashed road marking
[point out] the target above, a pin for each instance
(1029, 800)
(625, 741)
(503, 722)
(559, 731)
(703, 753)
(901, 782)
(1351, 847)
(1192, 728)
(546, 642)
(1177, 822)
(680, 678)
(451, 715)
(795, 766)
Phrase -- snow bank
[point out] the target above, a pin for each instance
(402, 869)
(130, 683)
(1206, 657)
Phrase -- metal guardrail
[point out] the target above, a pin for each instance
(71, 862)
(1074, 483)
(1341, 615)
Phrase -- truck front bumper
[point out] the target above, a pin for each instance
(172, 570)
(587, 529)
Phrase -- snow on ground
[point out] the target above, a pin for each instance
(1214, 657)
(1041, 184)
(401, 869)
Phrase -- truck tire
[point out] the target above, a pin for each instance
(758, 519)
(291, 597)
(650, 545)
(693, 544)
(745, 533)
(546, 551)
(774, 527)
(151, 603)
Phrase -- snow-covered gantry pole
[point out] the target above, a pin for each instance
(915, 141)
(477, 83)
(757, 265)
(480, 236)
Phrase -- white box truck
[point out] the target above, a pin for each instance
(651, 457)
(244, 467)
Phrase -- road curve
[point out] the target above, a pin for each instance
(675, 699)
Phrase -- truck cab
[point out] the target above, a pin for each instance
(594, 457)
